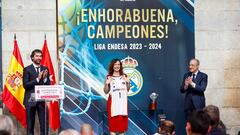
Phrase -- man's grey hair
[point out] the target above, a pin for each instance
(198, 62)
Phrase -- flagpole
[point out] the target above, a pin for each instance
(47, 127)
(18, 125)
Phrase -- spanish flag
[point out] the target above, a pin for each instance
(13, 93)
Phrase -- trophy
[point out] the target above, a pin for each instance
(153, 104)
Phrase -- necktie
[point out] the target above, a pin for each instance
(193, 77)
(37, 68)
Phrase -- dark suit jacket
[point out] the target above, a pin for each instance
(29, 82)
(195, 95)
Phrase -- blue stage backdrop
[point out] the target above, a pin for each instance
(154, 39)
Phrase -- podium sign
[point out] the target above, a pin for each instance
(49, 92)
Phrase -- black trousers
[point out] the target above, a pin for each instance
(189, 110)
(42, 115)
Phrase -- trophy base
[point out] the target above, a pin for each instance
(153, 106)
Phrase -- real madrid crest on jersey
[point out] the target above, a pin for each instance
(135, 77)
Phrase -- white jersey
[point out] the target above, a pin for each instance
(118, 90)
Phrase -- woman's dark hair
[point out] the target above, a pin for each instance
(110, 68)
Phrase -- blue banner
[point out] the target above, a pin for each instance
(154, 40)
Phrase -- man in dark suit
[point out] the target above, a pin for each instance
(35, 74)
(194, 84)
